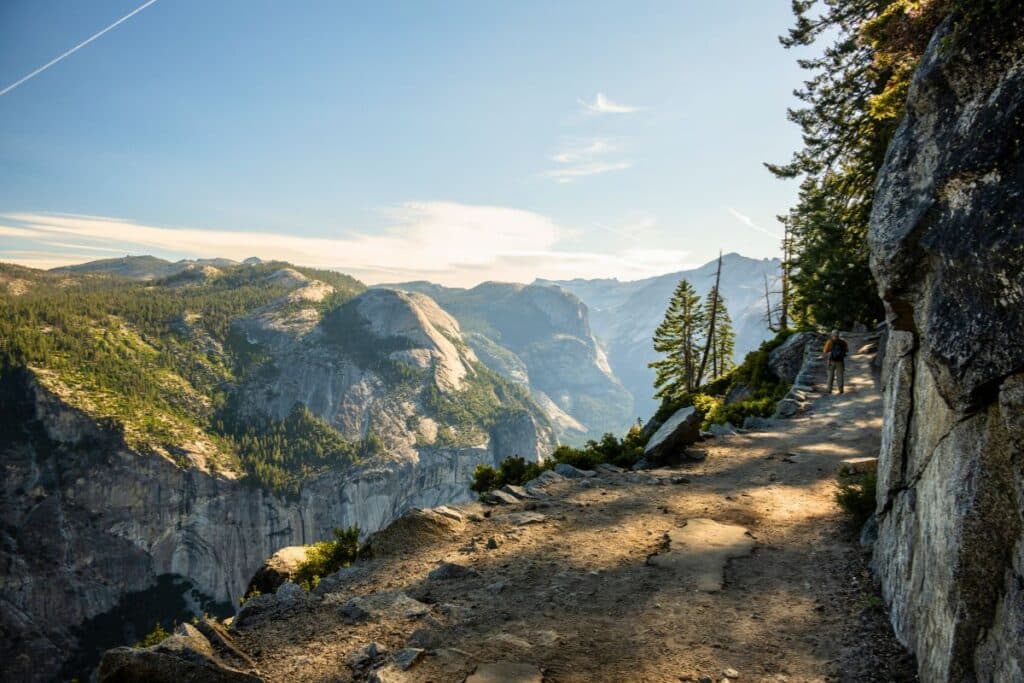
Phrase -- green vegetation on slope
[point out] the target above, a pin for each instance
(160, 363)
(485, 399)
(327, 557)
(610, 449)
(765, 390)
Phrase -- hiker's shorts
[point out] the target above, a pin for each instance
(836, 374)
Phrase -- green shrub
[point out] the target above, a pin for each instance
(514, 470)
(856, 495)
(327, 557)
(154, 637)
(736, 413)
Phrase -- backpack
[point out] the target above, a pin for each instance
(837, 352)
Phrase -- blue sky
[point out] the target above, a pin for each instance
(451, 141)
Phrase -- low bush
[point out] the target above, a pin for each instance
(327, 557)
(856, 495)
(736, 413)
(514, 470)
(610, 449)
(154, 637)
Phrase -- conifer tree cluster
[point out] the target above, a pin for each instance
(697, 339)
(853, 101)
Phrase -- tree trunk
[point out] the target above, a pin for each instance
(711, 323)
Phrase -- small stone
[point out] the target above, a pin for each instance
(570, 472)
(516, 491)
(447, 571)
(492, 543)
(496, 587)
(731, 673)
(448, 512)
(505, 672)
(289, 594)
(406, 657)
(365, 655)
(680, 480)
(426, 638)
(499, 497)
(695, 454)
(354, 611)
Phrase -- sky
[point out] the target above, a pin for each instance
(451, 141)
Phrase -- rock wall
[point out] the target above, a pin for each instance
(947, 241)
(87, 521)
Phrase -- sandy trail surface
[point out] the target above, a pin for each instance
(741, 566)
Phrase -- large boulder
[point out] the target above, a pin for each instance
(787, 359)
(188, 655)
(278, 568)
(672, 438)
(947, 250)
(738, 392)
(412, 531)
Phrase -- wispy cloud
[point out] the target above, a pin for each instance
(602, 104)
(448, 242)
(749, 222)
(570, 173)
(585, 158)
(589, 150)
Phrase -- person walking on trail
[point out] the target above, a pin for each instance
(835, 352)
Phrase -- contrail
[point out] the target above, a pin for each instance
(749, 222)
(76, 48)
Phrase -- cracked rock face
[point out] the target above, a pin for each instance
(948, 252)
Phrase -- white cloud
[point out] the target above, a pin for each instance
(447, 242)
(749, 222)
(583, 152)
(603, 105)
(570, 173)
(582, 159)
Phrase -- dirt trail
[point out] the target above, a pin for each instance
(572, 587)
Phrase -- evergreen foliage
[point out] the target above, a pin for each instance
(158, 635)
(514, 470)
(159, 363)
(281, 454)
(680, 338)
(852, 100)
(856, 495)
(327, 557)
(723, 338)
(610, 449)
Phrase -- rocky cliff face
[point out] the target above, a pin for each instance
(87, 521)
(539, 337)
(948, 252)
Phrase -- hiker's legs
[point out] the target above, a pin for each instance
(831, 375)
(841, 375)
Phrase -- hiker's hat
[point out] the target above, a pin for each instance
(835, 333)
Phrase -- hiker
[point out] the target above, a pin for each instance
(835, 352)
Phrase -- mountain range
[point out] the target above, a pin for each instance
(580, 348)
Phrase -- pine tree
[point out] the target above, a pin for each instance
(680, 338)
(854, 99)
(724, 343)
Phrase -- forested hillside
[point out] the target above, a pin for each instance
(176, 364)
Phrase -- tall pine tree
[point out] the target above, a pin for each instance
(853, 101)
(723, 341)
(680, 337)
